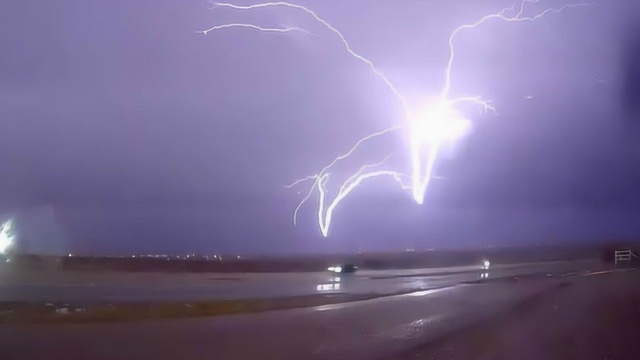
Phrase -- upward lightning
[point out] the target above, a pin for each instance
(439, 123)
(320, 179)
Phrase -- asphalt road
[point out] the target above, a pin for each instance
(594, 318)
(131, 287)
(372, 329)
(381, 328)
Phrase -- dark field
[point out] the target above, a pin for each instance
(49, 313)
(311, 263)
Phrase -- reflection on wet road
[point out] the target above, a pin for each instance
(368, 329)
(70, 287)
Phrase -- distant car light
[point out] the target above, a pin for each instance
(486, 264)
(343, 269)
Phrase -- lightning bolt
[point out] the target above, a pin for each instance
(325, 216)
(254, 27)
(426, 132)
(323, 174)
(330, 27)
(501, 16)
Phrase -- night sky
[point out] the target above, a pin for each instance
(140, 135)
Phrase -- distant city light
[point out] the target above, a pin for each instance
(6, 236)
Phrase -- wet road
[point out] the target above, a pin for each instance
(130, 287)
(594, 318)
(372, 329)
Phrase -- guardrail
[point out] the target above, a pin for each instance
(624, 255)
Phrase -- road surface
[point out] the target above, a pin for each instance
(373, 329)
(594, 318)
(135, 287)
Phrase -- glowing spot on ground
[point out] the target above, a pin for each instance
(6, 236)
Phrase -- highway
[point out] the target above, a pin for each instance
(373, 329)
(136, 287)
(370, 329)
(356, 330)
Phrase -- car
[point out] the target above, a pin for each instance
(343, 269)
(485, 264)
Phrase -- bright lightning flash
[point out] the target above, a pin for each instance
(6, 236)
(438, 123)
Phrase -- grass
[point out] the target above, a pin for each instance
(25, 312)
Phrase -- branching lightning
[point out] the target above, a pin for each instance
(285, 29)
(330, 27)
(324, 216)
(322, 176)
(440, 122)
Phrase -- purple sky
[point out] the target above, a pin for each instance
(147, 137)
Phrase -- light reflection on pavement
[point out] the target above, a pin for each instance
(184, 287)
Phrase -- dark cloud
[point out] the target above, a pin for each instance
(631, 76)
